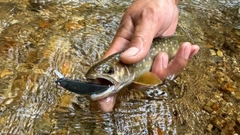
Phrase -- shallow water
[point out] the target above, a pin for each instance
(70, 36)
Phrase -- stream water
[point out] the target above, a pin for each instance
(38, 36)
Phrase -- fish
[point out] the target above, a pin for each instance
(114, 73)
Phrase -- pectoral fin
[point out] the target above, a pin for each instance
(145, 80)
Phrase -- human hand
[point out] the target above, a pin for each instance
(143, 21)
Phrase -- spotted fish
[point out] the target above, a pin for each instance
(111, 71)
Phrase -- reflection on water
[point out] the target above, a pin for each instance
(39, 36)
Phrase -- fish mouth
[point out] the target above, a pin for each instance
(103, 80)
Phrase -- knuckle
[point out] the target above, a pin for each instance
(151, 14)
(179, 63)
(141, 36)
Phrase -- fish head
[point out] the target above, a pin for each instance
(112, 72)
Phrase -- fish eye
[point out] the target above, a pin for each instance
(109, 70)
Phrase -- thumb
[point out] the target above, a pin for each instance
(146, 25)
(138, 50)
(139, 45)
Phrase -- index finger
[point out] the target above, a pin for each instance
(122, 37)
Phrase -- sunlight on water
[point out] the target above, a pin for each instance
(39, 36)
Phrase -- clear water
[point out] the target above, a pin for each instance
(39, 36)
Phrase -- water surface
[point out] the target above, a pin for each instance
(39, 36)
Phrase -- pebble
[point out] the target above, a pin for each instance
(5, 72)
(228, 87)
(207, 109)
(209, 127)
(236, 95)
(215, 107)
(238, 120)
(44, 24)
(218, 122)
(3, 105)
(73, 25)
(220, 53)
(213, 53)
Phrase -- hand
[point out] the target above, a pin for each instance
(143, 21)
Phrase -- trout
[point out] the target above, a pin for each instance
(112, 72)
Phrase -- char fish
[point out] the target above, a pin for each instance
(112, 72)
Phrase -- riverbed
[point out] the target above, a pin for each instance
(39, 36)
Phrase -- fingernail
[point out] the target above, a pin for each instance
(195, 51)
(130, 52)
(164, 62)
(187, 51)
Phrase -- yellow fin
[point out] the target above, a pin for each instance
(145, 80)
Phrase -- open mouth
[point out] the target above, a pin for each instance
(101, 81)
(108, 81)
(105, 82)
